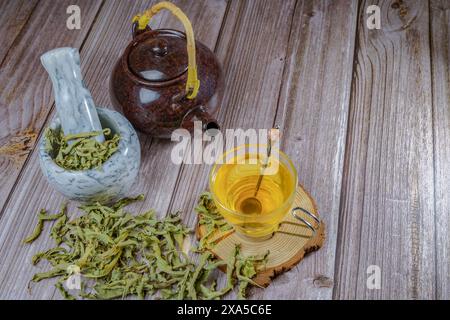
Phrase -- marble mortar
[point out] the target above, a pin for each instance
(116, 176)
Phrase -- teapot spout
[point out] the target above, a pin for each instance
(200, 114)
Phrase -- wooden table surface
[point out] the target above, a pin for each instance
(365, 116)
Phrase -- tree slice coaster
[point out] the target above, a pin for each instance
(293, 240)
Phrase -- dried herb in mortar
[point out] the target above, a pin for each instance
(118, 254)
(84, 152)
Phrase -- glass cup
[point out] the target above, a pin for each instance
(251, 191)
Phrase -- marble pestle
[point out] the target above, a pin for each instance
(74, 104)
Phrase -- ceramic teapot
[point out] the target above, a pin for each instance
(159, 85)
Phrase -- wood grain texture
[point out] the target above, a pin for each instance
(387, 215)
(253, 64)
(313, 112)
(108, 38)
(158, 174)
(364, 114)
(440, 49)
(26, 93)
(13, 17)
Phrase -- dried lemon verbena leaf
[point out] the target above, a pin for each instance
(84, 152)
(120, 254)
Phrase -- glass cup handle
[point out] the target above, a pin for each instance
(309, 225)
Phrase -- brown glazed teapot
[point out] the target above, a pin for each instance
(159, 85)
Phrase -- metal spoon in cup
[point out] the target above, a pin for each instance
(252, 205)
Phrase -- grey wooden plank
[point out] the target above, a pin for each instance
(105, 43)
(13, 17)
(26, 94)
(257, 67)
(387, 215)
(440, 49)
(313, 115)
(253, 66)
(158, 174)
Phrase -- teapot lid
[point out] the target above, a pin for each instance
(162, 56)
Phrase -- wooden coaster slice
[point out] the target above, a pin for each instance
(287, 246)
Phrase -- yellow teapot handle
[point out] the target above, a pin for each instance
(192, 84)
